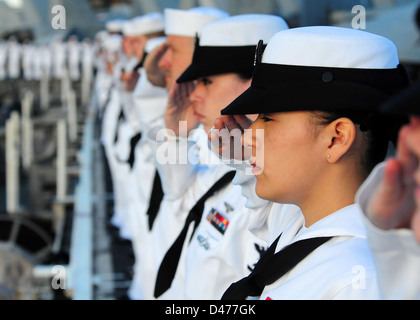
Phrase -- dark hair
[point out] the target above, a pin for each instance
(378, 129)
(244, 75)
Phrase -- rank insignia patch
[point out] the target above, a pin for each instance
(229, 208)
(218, 221)
(203, 242)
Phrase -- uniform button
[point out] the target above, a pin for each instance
(327, 77)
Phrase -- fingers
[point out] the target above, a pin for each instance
(153, 58)
(243, 121)
(230, 122)
(404, 153)
(154, 73)
(240, 122)
(160, 51)
(384, 206)
(219, 124)
(190, 87)
(182, 94)
(393, 179)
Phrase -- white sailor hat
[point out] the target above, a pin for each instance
(143, 25)
(153, 43)
(188, 23)
(228, 45)
(322, 68)
(115, 26)
(113, 43)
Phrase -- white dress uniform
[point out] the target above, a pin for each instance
(27, 61)
(37, 63)
(396, 252)
(149, 103)
(103, 82)
(73, 56)
(331, 276)
(14, 54)
(87, 67)
(59, 61)
(183, 185)
(46, 61)
(127, 127)
(87, 58)
(119, 152)
(109, 128)
(219, 253)
(112, 127)
(224, 218)
(131, 128)
(110, 120)
(173, 208)
(327, 59)
(222, 250)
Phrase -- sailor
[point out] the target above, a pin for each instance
(221, 246)
(87, 56)
(111, 90)
(103, 78)
(59, 62)
(14, 62)
(73, 57)
(37, 63)
(114, 26)
(181, 27)
(317, 92)
(220, 217)
(150, 103)
(135, 33)
(27, 60)
(144, 34)
(389, 201)
(87, 67)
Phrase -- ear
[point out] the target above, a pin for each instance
(341, 134)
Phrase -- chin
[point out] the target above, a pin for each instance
(270, 194)
(262, 192)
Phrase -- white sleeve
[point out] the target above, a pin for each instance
(172, 160)
(396, 252)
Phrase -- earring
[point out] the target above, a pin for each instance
(329, 156)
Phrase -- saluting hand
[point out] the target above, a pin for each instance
(396, 202)
(180, 108)
(156, 75)
(226, 137)
(131, 81)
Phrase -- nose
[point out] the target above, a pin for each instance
(248, 142)
(252, 139)
(196, 94)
